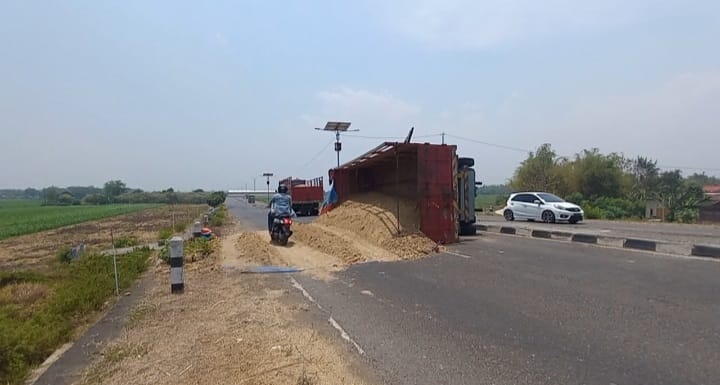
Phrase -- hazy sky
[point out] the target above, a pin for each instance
(210, 94)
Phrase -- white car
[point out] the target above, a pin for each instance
(541, 206)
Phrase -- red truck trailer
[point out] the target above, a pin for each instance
(307, 195)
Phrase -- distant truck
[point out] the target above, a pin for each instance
(307, 195)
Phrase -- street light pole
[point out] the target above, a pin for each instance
(337, 128)
(337, 147)
(268, 175)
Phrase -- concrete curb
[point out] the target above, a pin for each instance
(705, 251)
(694, 250)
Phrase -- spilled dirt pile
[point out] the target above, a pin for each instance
(255, 248)
(373, 216)
(328, 243)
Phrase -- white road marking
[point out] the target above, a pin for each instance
(331, 320)
(458, 254)
(367, 292)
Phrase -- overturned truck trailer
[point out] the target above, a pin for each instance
(428, 174)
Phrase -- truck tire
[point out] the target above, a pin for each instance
(462, 162)
(468, 229)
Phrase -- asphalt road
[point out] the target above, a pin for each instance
(524, 311)
(508, 310)
(671, 232)
(253, 216)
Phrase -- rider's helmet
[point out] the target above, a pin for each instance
(282, 189)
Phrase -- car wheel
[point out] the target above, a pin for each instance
(509, 216)
(548, 217)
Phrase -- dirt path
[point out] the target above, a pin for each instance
(228, 327)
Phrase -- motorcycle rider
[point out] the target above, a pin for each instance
(280, 206)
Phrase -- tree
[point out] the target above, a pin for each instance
(31, 193)
(172, 197)
(50, 195)
(95, 199)
(702, 179)
(114, 188)
(538, 172)
(65, 199)
(681, 198)
(493, 189)
(216, 198)
(79, 192)
(598, 175)
(644, 173)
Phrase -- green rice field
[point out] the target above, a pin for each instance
(18, 217)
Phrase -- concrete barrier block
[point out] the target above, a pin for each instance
(493, 229)
(482, 227)
(639, 244)
(561, 235)
(610, 241)
(507, 230)
(522, 231)
(541, 234)
(674, 248)
(706, 251)
(584, 238)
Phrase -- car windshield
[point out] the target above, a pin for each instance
(550, 198)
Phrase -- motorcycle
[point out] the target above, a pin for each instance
(281, 232)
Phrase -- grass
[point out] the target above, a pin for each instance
(488, 200)
(18, 217)
(40, 312)
(218, 218)
(126, 242)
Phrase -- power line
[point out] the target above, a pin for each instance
(688, 168)
(371, 137)
(388, 137)
(527, 151)
(489, 144)
(317, 155)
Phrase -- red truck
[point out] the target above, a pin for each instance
(307, 195)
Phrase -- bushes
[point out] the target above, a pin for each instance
(28, 335)
(610, 208)
(165, 234)
(216, 199)
(217, 218)
(194, 249)
(125, 242)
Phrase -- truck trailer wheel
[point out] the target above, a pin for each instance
(462, 162)
(468, 229)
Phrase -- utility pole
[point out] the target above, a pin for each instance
(443, 138)
(337, 128)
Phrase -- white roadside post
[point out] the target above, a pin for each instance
(196, 229)
(177, 284)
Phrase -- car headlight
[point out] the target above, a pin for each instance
(560, 207)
